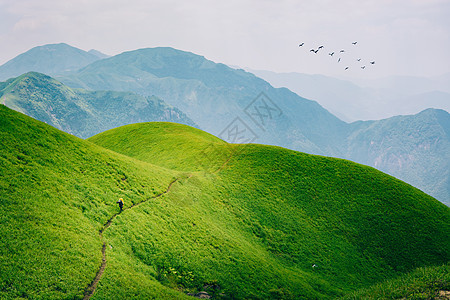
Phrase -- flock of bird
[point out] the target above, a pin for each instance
(331, 54)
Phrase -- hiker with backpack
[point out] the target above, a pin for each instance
(120, 204)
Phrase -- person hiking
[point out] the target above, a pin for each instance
(120, 203)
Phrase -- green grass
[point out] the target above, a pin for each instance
(241, 221)
(281, 211)
(57, 191)
(422, 283)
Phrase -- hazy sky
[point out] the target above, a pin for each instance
(404, 37)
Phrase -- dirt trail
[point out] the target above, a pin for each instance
(90, 290)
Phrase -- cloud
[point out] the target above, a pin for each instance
(259, 34)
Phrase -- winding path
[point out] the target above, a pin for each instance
(90, 290)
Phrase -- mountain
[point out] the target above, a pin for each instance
(99, 54)
(415, 148)
(368, 99)
(80, 112)
(214, 95)
(49, 59)
(239, 107)
(255, 222)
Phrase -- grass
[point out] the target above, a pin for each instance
(241, 221)
(281, 211)
(422, 283)
(57, 192)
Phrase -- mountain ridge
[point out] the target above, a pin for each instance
(80, 112)
(50, 59)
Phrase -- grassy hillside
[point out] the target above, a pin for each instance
(57, 192)
(80, 112)
(190, 149)
(271, 213)
(256, 222)
(422, 283)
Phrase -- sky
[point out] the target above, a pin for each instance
(403, 37)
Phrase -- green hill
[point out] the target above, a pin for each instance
(80, 112)
(356, 224)
(236, 221)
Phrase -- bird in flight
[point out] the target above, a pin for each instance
(339, 59)
(359, 59)
(346, 68)
(372, 62)
(354, 43)
(320, 47)
(331, 54)
(342, 51)
(363, 67)
(301, 44)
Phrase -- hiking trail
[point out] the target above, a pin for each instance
(90, 289)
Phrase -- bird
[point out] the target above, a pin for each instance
(301, 44)
(314, 265)
(346, 68)
(316, 51)
(312, 50)
(339, 59)
(342, 51)
(331, 54)
(354, 43)
(359, 59)
(363, 67)
(372, 62)
(320, 47)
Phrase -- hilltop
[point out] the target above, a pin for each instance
(80, 112)
(250, 223)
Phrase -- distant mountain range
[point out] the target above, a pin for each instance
(239, 107)
(353, 100)
(50, 59)
(80, 112)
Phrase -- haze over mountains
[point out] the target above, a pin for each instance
(354, 100)
(225, 101)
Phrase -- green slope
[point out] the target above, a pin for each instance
(80, 112)
(239, 221)
(258, 223)
(57, 192)
(422, 283)
(170, 145)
